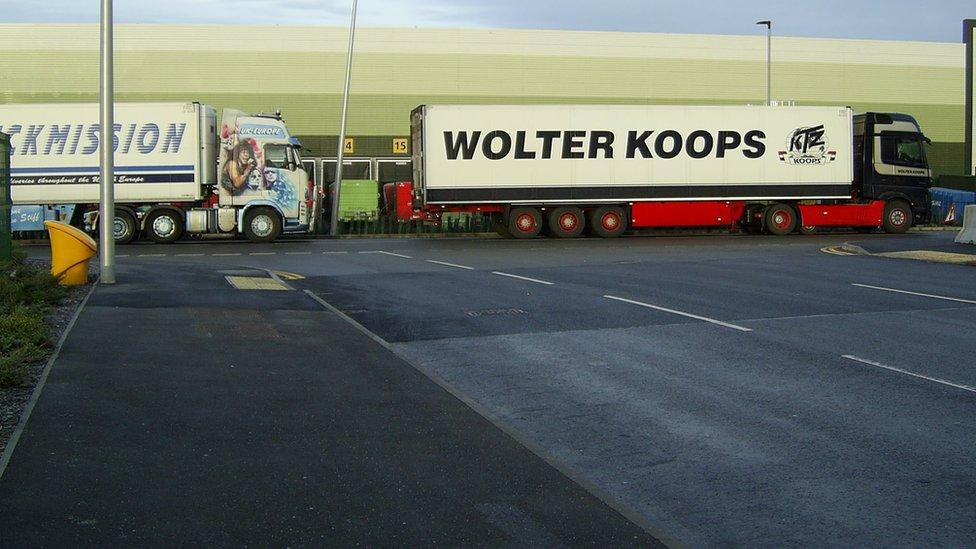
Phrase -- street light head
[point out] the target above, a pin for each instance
(767, 24)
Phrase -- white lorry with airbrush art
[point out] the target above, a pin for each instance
(178, 170)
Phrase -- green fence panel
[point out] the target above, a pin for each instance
(5, 240)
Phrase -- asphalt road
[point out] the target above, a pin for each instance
(730, 390)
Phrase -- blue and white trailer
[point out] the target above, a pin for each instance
(178, 170)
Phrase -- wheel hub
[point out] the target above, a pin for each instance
(568, 221)
(897, 217)
(119, 228)
(261, 225)
(164, 226)
(525, 223)
(610, 222)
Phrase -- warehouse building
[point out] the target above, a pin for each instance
(299, 70)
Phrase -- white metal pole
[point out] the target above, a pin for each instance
(769, 60)
(334, 228)
(107, 102)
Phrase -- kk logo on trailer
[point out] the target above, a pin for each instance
(808, 147)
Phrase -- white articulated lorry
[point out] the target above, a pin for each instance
(178, 170)
(565, 168)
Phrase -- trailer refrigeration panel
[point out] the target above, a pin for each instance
(55, 158)
(547, 155)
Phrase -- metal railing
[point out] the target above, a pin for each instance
(5, 202)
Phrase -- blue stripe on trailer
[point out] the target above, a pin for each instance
(96, 169)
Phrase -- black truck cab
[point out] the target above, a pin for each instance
(890, 162)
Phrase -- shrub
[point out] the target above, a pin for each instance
(27, 294)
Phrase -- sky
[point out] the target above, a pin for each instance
(932, 20)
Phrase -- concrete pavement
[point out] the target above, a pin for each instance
(183, 411)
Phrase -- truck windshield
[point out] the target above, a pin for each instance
(903, 150)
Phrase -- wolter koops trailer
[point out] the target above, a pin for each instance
(607, 168)
(178, 169)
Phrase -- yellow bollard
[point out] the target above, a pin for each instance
(71, 249)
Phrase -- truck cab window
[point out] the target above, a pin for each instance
(276, 156)
(902, 151)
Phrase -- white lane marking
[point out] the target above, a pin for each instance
(907, 373)
(446, 264)
(680, 313)
(227, 255)
(536, 280)
(121, 255)
(956, 299)
(189, 255)
(263, 253)
(151, 255)
(333, 253)
(298, 253)
(395, 255)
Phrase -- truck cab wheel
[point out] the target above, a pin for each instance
(262, 225)
(124, 227)
(608, 221)
(897, 217)
(780, 219)
(164, 226)
(566, 222)
(524, 222)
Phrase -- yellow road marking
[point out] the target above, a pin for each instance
(927, 255)
(289, 276)
(256, 283)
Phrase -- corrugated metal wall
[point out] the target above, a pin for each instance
(299, 70)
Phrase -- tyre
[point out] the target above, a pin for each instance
(897, 217)
(524, 222)
(124, 227)
(566, 222)
(608, 221)
(164, 226)
(780, 219)
(262, 225)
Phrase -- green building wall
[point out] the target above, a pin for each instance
(299, 70)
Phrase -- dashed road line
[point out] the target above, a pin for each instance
(263, 253)
(680, 313)
(298, 253)
(227, 254)
(151, 255)
(446, 264)
(190, 255)
(931, 296)
(394, 254)
(121, 255)
(334, 253)
(908, 373)
(525, 278)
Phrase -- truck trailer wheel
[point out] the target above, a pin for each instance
(262, 225)
(780, 219)
(124, 227)
(566, 222)
(897, 217)
(608, 221)
(524, 222)
(164, 226)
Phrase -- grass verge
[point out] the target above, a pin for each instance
(27, 294)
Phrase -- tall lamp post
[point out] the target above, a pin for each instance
(106, 216)
(769, 60)
(334, 228)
